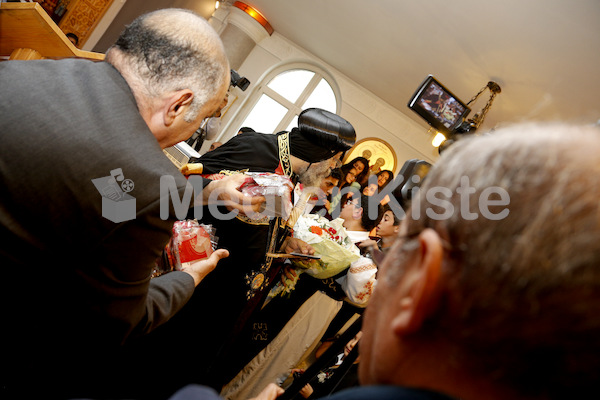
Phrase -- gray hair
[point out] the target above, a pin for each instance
(173, 49)
(522, 293)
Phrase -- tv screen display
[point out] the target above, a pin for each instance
(438, 106)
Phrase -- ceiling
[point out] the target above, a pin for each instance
(544, 54)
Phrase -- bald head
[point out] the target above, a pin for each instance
(505, 182)
(169, 50)
(518, 292)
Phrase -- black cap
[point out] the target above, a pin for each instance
(320, 135)
(327, 129)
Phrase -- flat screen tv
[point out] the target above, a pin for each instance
(438, 106)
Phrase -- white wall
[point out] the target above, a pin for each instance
(370, 116)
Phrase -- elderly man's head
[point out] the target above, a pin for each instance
(318, 143)
(178, 76)
(494, 281)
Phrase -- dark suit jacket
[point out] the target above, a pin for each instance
(75, 284)
(386, 393)
(196, 392)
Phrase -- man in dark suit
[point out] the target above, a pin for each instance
(75, 272)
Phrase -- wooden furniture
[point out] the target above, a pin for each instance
(83, 16)
(28, 33)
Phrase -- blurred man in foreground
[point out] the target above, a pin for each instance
(492, 290)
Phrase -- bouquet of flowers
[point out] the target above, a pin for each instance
(331, 244)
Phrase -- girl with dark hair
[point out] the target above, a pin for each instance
(384, 178)
(377, 182)
(354, 171)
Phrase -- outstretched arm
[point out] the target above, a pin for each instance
(226, 192)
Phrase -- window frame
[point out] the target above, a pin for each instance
(293, 108)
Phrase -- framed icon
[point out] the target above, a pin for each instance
(380, 154)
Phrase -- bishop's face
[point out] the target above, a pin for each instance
(313, 175)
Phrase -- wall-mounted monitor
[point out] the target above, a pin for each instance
(438, 106)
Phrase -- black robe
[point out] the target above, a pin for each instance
(257, 152)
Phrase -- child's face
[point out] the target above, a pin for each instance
(386, 225)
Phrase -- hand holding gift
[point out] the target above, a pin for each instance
(276, 190)
(191, 249)
(199, 269)
(191, 241)
(226, 190)
(255, 194)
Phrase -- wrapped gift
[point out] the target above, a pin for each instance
(190, 242)
(277, 190)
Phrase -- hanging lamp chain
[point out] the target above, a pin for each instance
(478, 118)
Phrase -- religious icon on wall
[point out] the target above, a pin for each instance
(380, 154)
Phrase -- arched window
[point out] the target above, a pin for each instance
(284, 92)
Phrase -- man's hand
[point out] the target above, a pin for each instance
(271, 392)
(307, 390)
(288, 273)
(225, 191)
(294, 245)
(199, 269)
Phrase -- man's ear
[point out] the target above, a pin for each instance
(177, 104)
(420, 285)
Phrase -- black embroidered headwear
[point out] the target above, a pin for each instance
(320, 135)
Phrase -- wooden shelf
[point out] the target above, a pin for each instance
(28, 32)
